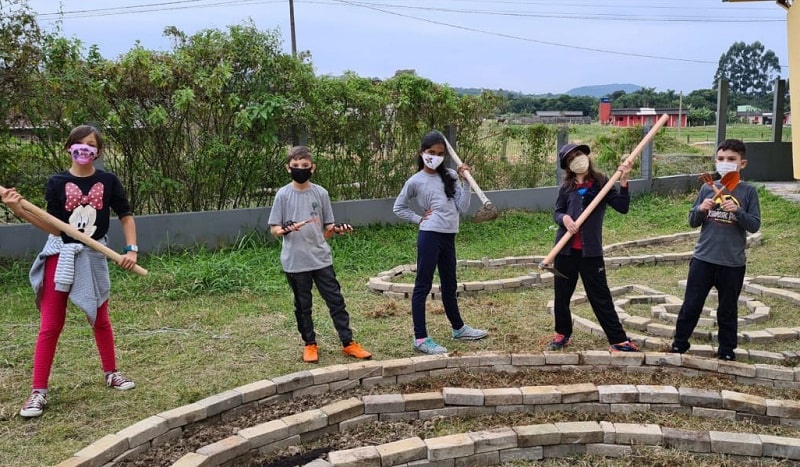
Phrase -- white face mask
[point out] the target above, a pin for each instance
(724, 168)
(432, 161)
(580, 164)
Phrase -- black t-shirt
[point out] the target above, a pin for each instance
(86, 202)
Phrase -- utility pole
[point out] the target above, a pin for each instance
(680, 117)
(291, 26)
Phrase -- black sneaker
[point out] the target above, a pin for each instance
(728, 357)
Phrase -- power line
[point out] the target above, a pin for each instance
(527, 39)
(571, 16)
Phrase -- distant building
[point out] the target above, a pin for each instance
(638, 116)
(571, 117)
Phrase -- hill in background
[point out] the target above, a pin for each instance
(598, 90)
(601, 90)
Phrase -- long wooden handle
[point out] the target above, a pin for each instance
(606, 188)
(466, 173)
(57, 223)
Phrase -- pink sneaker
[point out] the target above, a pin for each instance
(34, 406)
(117, 381)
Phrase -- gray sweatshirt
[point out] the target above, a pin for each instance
(723, 235)
(428, 191)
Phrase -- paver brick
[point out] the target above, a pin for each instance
(580, 432)
(402, 451)
(143, 431)
(423, 401)
(638, 433)
(736, 444)
(618, 394)
(383, 403)
(686, 440)
(746, 403)
(304, 422)
(225, 450)
(265, 433)
(541, 395)
(502, 396)
(104, 449)
(582, 392)
(494, 440)
(780, 447)
(537, 435)
(655, 394)
(450, 447)
(462, 396)
(340, 411)
(366, 456)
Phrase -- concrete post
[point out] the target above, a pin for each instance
(647, 155)
(722, 110)
(562, 138)
(452, 135)
(777, 110)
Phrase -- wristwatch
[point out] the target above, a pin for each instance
(133, 248)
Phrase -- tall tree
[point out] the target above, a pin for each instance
(749, 69)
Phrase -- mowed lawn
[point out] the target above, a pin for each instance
(203, 322)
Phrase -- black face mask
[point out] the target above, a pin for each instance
(300, 175)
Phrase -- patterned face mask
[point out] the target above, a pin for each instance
(83, 154)
(432, 161)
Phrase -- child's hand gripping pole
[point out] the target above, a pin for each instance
(31, 210)
(547, 263)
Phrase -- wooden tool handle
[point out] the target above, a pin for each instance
(68, 229)
(466, 173)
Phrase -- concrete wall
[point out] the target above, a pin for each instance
(769, 162)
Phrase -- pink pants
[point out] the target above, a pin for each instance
(53, 314)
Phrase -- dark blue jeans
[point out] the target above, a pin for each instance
(592, 272)
(435, 250)
(330, 291)
(728, 282)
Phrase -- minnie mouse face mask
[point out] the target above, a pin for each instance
(83, 154)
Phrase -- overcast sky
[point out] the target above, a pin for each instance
(535, 46)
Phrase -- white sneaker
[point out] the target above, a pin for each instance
(117, 381)
(34, 406)
(468, 333)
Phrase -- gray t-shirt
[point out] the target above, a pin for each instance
(428, 190)
(723, 235)
(306, 249)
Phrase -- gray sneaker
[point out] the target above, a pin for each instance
(429, 347)
(468, 333)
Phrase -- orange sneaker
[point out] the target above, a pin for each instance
(355, 350)
(311, 353)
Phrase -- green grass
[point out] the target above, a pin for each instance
(202, 322)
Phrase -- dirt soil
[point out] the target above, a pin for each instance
(366, 434)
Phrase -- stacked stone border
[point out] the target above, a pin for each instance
(383, 282)
(138, 438)
(665, 308)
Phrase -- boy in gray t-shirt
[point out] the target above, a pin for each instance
(303, 217)
(725, 211)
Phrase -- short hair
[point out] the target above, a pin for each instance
(735, 145)
(82, 131)
(298, 153)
